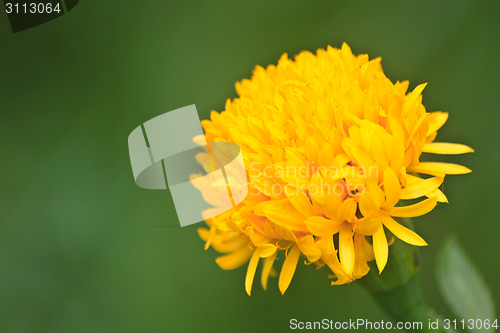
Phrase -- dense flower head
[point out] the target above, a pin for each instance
(332, 148)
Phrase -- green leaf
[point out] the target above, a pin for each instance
(462, 286)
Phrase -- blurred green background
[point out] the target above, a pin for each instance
(83, 249)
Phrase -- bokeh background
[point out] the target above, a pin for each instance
(83, 249)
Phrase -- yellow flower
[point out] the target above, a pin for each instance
(331, 147)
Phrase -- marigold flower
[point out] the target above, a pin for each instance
(331, 147)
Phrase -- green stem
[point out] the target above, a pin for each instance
(397, 290)
(404, 302)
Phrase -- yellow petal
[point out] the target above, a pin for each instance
(421, 187)
(213, 231)
(436, 120)
(380, 248)
(355, 152)
(418, 89)
(282, 232)
(252, 267)
(392, 187)
(346, 247)
(288, 268)
(403, 233)
(205, 234)
(398, 151)
(300, 201)
(326, 245)
(323, 227)
(440, 196)
(307, 246)
(235, 259)
(317, 182)
(347, 210)
(363, 249)
(329, 256)
(364, 253)
(367, 226)
(286, 216)
(256, 237)
(439, 169)
(267, 250)
(446, 148)
(418, 209)
(332, 203)
(266, 269)
(369, 202)
(223, 243)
